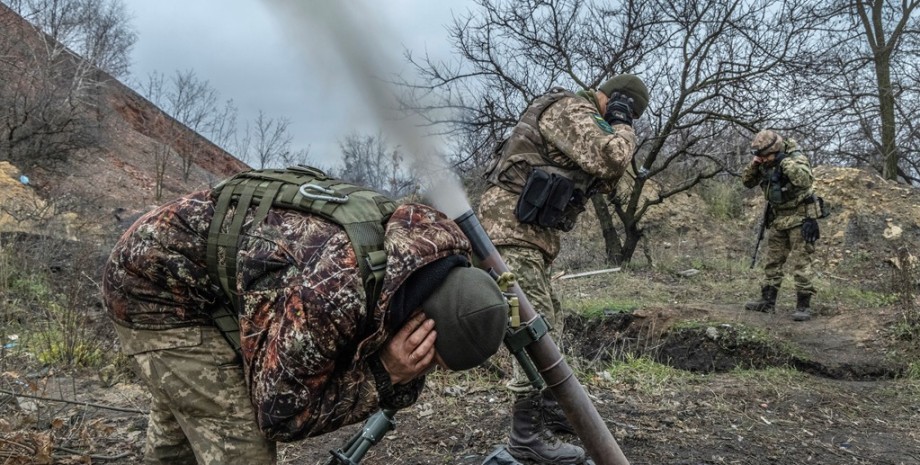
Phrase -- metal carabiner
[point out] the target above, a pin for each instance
(326, 194)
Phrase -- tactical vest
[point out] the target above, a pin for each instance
(525, 149)
(361, 212)
(778, 190)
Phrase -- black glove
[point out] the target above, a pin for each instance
(619, 109)
(810, 231)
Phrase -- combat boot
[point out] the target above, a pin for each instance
(531, 440)
(767, 302)
(802, 307)
(553, 416)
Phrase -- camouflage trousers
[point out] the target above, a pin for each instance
(200, 410)
(788, 245)
(531, 268)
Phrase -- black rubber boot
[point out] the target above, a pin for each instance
(553, 416)
(767, 302)
(531, 440)
(802, 307)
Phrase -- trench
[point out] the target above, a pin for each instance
(709, 348)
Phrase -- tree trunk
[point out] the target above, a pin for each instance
(633, 236)
(611, 238)
(886, 107)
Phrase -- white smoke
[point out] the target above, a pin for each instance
(366, 48)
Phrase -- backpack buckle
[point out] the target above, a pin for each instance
(328, 195)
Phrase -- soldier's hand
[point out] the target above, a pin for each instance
(410, 352)
(619, 110)
(810, 231)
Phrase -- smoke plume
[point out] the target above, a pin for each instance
(366, 48)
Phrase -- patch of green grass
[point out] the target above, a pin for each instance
(598, 306)
(31, 287)
(857, 297)
(53, 348)
(913, 371)
(905, 331)
(645, 375)
(723, 199)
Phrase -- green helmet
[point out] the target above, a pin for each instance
(630, 85)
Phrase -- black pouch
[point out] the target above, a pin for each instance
(823, 209)
(575, 208)
(557, 202)
(533, 197)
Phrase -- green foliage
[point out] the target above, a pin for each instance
(44, 310)
(53, 348)
(905, 331)
(865, 298)
(644, 374)
(913, 371)
(30, 288)
(595, 307)
(723, 199)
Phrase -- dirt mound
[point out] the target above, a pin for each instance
(869, 215)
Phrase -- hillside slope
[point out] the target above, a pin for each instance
(116, 175)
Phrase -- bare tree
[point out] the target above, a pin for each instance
(191, 103)
(266, 142)
(50, 93)
(883, 26)
(864, 85)
(221, 129)
(370, 161)
(97, 30)
(713, 68)
(154, 90)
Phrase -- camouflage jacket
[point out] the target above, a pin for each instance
(307, 336)
(786, 186)
(574, 136)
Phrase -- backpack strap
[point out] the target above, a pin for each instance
(361, 212)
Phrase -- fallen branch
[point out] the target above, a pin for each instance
(75, 402)
(590, 273)
(29, 450)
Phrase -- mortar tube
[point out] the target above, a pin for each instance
(568, 391)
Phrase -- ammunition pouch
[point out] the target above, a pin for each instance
(549, 201)
(822, 210)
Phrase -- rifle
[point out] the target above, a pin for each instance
(372, 432)
(764, 224)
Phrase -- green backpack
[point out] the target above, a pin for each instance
(362, 212)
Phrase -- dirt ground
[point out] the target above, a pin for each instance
(733, 387)
(839, 397)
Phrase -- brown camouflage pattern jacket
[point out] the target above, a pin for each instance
(573, 138)
(307, 334)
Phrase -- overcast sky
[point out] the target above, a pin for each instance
(240, 47)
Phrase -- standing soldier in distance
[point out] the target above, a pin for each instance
(784, 174)
(565, 148)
